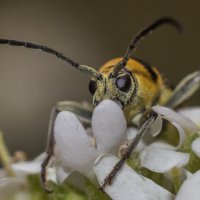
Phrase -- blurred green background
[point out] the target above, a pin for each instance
(90, 32)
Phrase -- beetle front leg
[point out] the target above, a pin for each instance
(184, 90)
(84, 113)
(147, 121)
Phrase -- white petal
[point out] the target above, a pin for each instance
(179, 121)
(57, 174)
(190, 188)
(192, 113)
(40, 157)
(172, 116)
(161, 144)
(159, 192)
(108, 125)
(72, 143)
(196, 146)
(162, 160)
(156, 127)
(61, 174)
(27, 167)
(51, 174)
(55, 171)
(128, 184)
(182, 135)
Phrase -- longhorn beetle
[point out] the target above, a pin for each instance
(132, 83)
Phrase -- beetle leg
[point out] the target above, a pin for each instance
(84, 114)
(184, 90)
(147, 120)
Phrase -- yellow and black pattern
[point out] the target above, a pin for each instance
(150, 84)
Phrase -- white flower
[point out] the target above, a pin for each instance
(83, 150)
(158, 157)
(161, 157)
(16, 187)
(76, 150)
(128, 184)
(28, 167)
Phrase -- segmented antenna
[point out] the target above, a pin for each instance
(149, 29)
(83, 68)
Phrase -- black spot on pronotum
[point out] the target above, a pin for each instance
(148, 67)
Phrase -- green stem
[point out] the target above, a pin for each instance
(5, 156)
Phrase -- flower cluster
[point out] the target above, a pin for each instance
(173, 166)
(164, 165)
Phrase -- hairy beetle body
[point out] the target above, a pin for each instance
(148, 87)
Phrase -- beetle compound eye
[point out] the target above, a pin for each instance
(123, 83)
(92, 86)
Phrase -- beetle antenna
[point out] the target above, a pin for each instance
(149, 29)
(83, 68)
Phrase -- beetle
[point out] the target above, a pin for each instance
(132, 83)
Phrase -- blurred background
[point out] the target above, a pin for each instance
(90, 32)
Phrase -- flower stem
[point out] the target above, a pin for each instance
(5, 156)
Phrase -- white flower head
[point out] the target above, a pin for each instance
(83, 150)
(158, 157)
(73, 145)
